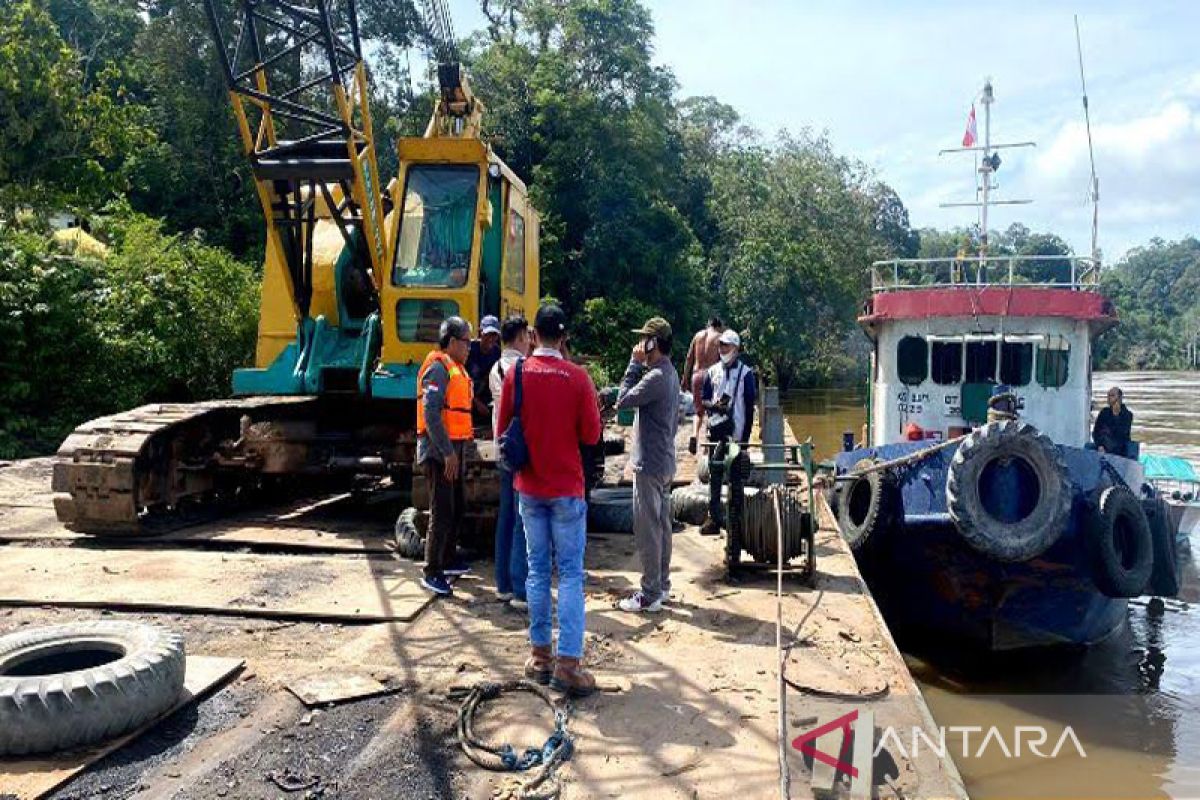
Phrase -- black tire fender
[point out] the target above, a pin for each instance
(1032, 535)
(866, 505)
(411, 527)
(115, 677)
(1121, 544)
(1165, 576)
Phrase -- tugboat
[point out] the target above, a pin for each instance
(976, 506)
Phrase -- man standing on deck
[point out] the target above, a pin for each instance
(443, 430)
(729, 393)
(651, 385)
(1114, 426)
(558, 413)
(702, 353)
(512, 565)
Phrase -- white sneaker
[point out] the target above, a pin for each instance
(518, 604)
(638, 603)
(504, 597)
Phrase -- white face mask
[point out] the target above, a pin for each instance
(728, 358)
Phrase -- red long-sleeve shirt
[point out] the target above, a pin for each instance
(559, 413)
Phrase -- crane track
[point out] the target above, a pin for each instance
(153, 468)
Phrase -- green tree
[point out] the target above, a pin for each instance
(67, 134)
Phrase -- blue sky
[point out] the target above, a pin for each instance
(891, 83)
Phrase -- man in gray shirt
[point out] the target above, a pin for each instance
(651, 385)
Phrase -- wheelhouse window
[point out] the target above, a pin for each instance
(912, 360)
(437, 227)
(1016, 363)
(946, 362)
(420, 320)
(1052, 364)
(981, 362)
(514, 253)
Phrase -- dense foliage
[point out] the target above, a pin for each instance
(1156, 289)
(652, 203)
(160, 317)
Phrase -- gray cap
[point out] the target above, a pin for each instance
(489, 324)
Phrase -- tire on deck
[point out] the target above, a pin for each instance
(66, 686)
(610, 510)
(689, 504)
(411, 527)
(1009, 534)
(1121, 544)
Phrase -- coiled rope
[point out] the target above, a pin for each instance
(540, 761)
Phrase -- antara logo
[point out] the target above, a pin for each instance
(1031, 739)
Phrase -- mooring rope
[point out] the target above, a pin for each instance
(541, 762)
(785, 777)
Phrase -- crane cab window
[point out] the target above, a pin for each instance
(1052, 365)
(946, 362)
(1016, 363)
(514, 253)
(981, 362)
(437, 227)
(420, 320)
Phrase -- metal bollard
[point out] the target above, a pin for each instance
(772, 433)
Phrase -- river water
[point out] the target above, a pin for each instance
(1143, 683)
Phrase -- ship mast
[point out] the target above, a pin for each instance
(986, 168)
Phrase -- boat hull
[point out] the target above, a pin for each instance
(928, 579)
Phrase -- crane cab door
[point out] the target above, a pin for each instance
(519, 279)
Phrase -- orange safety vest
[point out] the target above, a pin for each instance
(456, 413)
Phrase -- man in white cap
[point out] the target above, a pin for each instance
(485, 352)
(729, 396)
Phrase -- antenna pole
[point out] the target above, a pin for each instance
(985, 170)
(1087, 119)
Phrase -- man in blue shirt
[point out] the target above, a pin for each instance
(729, 396)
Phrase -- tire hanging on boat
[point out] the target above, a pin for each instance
(1121, 544)
(976, 493)
(1165, 575)
(865, 504)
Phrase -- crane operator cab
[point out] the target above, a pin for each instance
(466, 244)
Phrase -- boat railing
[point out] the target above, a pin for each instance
(1080, 273)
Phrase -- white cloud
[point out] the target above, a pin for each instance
(1146, 163)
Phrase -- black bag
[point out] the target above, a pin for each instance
(514, 452)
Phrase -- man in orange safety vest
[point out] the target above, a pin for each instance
(444, 428)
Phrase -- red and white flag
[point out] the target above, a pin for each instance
(970, 136)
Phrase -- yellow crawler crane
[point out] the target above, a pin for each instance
(356, 281)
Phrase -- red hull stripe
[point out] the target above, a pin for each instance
(991, 301)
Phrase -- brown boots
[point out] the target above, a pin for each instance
(566, 674)
(540, 664)
(570, 677)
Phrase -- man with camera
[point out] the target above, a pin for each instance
(729, 396)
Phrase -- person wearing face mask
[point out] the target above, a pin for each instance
(729, 396)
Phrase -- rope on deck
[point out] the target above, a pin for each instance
(541, 762)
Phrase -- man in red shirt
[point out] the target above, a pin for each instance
(558, 413)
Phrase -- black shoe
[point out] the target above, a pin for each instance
(710, 528)
(692, 446)
(437, 585)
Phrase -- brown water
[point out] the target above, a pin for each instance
(1143, 684)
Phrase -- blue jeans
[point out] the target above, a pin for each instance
(555, 535)
(512, 565)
